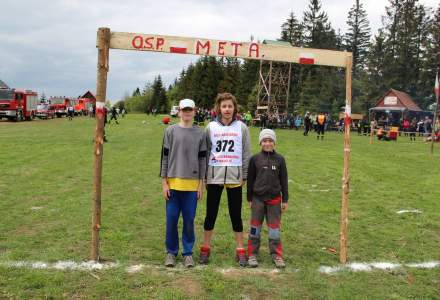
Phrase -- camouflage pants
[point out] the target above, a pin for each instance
(270, 209)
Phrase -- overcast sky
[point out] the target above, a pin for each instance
(49, 46)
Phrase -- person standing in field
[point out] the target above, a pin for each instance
(228, 143)
(105, 121)
(320, 125)
(412, 129)
(307, 124)
(183, 167)
(405, 126)
(114, 115)
(267, 194)
(70, 112)
(298, 122)
(248, 118)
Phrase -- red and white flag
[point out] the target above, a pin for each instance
(178, 47)
(436, 87)
(306, 58)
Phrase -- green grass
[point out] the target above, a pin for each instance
(49, 164)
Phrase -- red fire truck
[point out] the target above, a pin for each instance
(83, 106)
(17, 104)
(60, 105)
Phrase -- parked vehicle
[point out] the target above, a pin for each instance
(45, 111)
(174, 110)
(18, 105)
(60, 105)
(82, 106)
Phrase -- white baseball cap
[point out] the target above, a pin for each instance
(186, 103)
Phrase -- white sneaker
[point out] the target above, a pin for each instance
(278, 261)
(188, 261)
(170, 260)
(252, 261)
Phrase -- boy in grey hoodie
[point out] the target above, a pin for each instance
(183, 166)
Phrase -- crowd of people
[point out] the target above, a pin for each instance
(412, 127)
(323, 122)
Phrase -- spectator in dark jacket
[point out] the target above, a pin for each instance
(307, 124)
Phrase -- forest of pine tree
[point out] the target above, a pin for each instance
(403, 54)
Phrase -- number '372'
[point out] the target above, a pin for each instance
(222, 144)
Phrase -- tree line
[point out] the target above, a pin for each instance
(403, 54)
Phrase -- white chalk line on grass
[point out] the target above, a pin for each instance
(60, 265)
(225, 271)
(384, 266)
(405, 211)
(132, 269)
(36, 207)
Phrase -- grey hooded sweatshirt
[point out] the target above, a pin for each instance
(183, 153)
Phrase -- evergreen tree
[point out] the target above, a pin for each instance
(136, 92)
(159, 99)
(317, 83)
(431, 60)
(358, 36)
(249, 75)
(211, 82)
(231, 76)
(291, 31)
(373, 80)
(318, 32)
(406, 28)
(340, 41)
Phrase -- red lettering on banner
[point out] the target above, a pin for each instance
(254, 47)
(221, 48)
(235, 45)
(199, 46)
(148, 43)
(137, 42)
(159, 43)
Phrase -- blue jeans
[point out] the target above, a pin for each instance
(185, 203)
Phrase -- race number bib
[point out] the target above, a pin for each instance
(226, 149)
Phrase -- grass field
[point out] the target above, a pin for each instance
(46, 201)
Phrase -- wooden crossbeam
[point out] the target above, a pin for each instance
(223, 48)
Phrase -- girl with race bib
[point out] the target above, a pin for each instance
(229, 150)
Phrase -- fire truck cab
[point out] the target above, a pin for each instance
(17, 104)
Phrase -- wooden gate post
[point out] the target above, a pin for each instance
(345, 178)
(103, 45)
